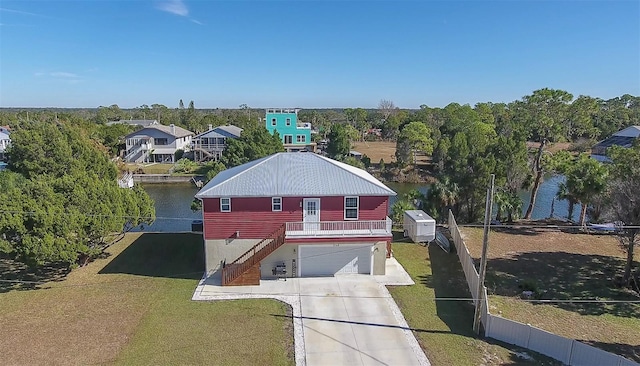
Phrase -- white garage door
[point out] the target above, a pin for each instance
(327, 260)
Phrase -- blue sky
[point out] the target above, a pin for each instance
(312, 53)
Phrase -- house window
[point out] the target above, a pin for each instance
(351, 208)
(273, 121)
(276, 203)
(160, 141)
(288, 121)
(301, 138)
(288, 139)
(225, 204)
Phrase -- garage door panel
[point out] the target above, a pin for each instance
(323, 260)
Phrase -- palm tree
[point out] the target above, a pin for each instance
(510, 203)
(444, 193)
(565, 194)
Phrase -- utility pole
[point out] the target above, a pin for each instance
(483, 259)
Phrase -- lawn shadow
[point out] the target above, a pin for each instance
(17, 276)
(447, 280)
(537, 227)
(624, 350)
(517, 230)
(564, 276)
(161, 255)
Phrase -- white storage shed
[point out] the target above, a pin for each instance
(419, 226)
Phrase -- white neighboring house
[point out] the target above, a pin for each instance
(156, 144)
(211, 144)
(624, 138)
(5, 141)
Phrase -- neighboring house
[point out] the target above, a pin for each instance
(624, 138)
(156, 144)
(295, 136)
(5, 130)
(303, 213)
(134, 122)
(211, 144)
(5, 141)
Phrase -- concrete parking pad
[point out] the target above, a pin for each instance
(342, 320)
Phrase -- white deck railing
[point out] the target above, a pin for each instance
(212, 147)
(338, 228)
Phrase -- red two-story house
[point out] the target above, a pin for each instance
(294, 215)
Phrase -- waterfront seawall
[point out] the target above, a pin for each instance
(164, 178)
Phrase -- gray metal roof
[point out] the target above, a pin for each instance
(222, 131)
(631, 131)
(172, 130)
(230, 129)
(294, 174)
(209, 134)
(624, 138)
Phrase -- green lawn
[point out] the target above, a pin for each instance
(157, 168)
(134, 308)
(444, 328)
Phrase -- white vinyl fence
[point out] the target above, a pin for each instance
(569, 351)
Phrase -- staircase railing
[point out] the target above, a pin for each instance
(132, 153)
(251, 257)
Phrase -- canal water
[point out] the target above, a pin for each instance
(173, 206)
(173, 203)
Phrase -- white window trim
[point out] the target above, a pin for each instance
(357, 208)
(221, 204)
(273, 122)
(288, 121)
(301, 139)
(273, 204)
(284, 139)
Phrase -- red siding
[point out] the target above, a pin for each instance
(253, 219)
(371, 208)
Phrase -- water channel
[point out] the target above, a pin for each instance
(173, 203)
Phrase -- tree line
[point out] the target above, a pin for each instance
(60, 201)
(466, 143)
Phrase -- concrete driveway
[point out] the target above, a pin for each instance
(341, 320)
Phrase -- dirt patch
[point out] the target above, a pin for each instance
(377, 150)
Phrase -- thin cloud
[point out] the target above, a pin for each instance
(63, 74)
(176, 7)
(60, 76)
(21, 12)
(197, 22)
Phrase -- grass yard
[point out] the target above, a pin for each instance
(444, 328)
(560, 265)
(134, 308)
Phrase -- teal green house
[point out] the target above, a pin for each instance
(296, 136)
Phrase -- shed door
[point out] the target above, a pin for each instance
(328, 260)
